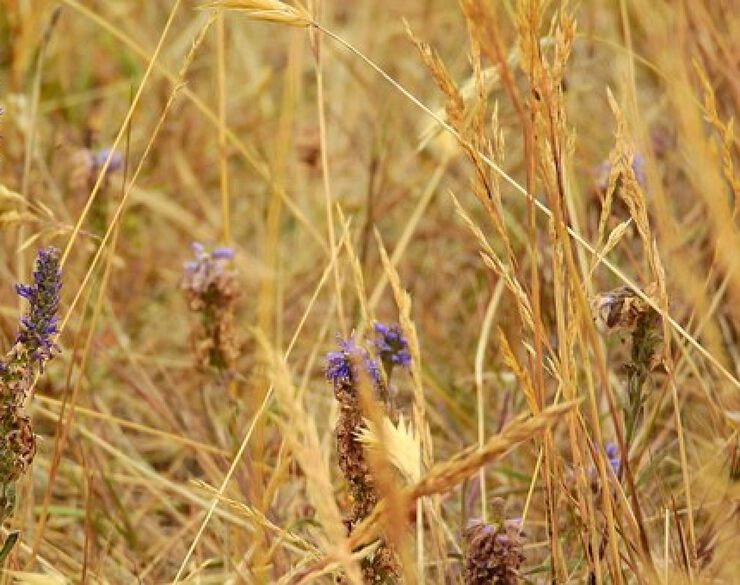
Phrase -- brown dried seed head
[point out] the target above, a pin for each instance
(619, 310)
(494, 553)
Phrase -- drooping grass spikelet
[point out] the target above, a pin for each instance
(267, 10)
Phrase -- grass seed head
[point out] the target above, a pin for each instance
(266, 10)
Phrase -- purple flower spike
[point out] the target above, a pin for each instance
(41, 323)
(34, 346)
(392, 346)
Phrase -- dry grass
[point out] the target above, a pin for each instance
(544, 197)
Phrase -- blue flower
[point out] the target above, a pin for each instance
(612, 454)
(392, 346)
(40, 324)
(615, 462)
(99, 158)
(341, 366)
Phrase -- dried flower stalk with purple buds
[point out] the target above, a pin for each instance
(345, 369)
(493, 552)
(212, 290)
(34, 346)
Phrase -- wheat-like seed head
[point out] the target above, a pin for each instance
(267, 10)
(452, 472)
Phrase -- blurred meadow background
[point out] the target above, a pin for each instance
(423, 291)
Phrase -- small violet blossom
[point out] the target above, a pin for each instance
(99, 158)
(207, 267)
(612, 454)
(391, 346)
(223, 253)
(341, 366)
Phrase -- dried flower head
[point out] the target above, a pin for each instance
(623, 309)
(211, 288)
(618, 310)
(345, 369)
(493, 552)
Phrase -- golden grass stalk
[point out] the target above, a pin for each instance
(466, 463)
(253, 515)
